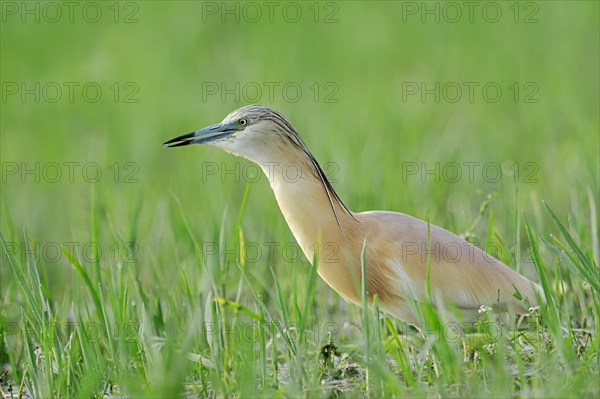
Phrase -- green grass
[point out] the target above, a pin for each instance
(148, 282)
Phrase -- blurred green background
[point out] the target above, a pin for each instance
(156, 62)
(91, 90)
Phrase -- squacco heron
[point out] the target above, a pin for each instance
(407, 261)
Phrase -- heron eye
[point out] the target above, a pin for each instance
(243, 122)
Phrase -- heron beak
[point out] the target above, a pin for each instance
(201, 136)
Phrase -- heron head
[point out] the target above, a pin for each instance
(252, 131)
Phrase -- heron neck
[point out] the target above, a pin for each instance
(310, 206)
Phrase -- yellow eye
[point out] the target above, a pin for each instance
(243, 122)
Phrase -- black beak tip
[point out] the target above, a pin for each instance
(182, 143)
(179, 141)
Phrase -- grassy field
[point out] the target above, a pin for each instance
(129, 270)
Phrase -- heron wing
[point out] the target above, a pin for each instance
(461, 275)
